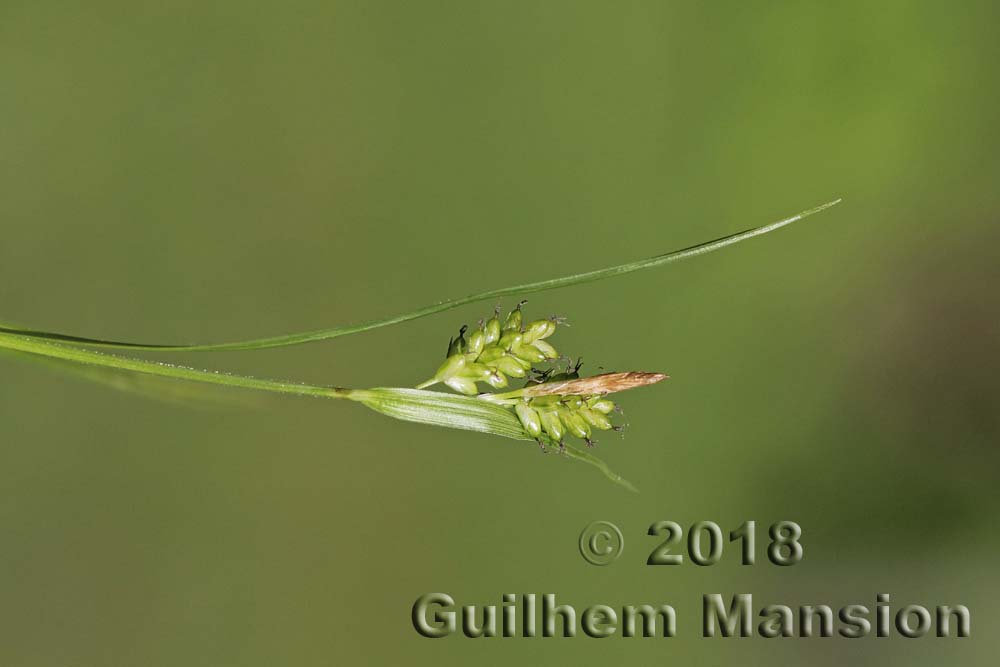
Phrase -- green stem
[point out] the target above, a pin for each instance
(539, 286)
(425, 407)
(52, 350)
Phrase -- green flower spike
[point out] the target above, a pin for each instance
(565, 404)
(493, 353)
(553, 404)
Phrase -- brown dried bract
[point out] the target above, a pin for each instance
(606, 383)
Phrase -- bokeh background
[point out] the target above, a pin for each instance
(206, 171)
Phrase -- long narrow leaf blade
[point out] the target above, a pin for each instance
(514, 290)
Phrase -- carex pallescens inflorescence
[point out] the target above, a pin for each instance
(495, 352)
(551, 405)
(559, 414)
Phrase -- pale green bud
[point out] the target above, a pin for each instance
(545, 401)
(497, 380)
(513, 321)
(526, 365)
(510, 366)
(462, 385)
(452, 366)
(552, 425)
(575, 424)
(458, 345)
(491, 354)
(602, 405)
(510, 338)
(476, 342)
(528, 353)
(595, 419)
(477, 371)
(546, 349)
(538, 330)
(530, 420)
(492, 330)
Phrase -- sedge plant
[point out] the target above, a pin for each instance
(550, 405)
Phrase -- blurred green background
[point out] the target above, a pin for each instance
(207, 171)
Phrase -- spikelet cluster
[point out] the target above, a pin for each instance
(550, 405)
(496, 352)
(558, 415)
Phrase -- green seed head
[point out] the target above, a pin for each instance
(550, 405)
(494, 353)
(570, 415)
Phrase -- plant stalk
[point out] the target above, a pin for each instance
(80, 355)
(514, 290)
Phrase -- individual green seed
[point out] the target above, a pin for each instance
(538, 330)
(497, 380)
(572, 402)
(476, 342)
(492, 330)
(602, 405)
(513, 321)
(528, 353)
(595, 419)
(477, 372)
(526, 365)
(462, 385)
(552, 425)
(509, 339)
(545, 401)
(452, 366)
(530, 420)
(575, 424)
(546, 349)
(510, 366)
(491, 353)
(458, 345)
